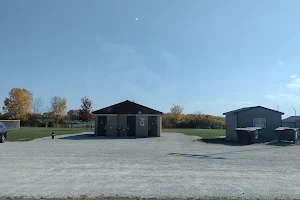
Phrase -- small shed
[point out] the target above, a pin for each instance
(128, 119)
(256, 116)
(292, 122)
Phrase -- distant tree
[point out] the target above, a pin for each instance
(62, 120)
(176, 114)
(176, 119)
(176, 109)
(85, 111)
(198, 112)
(37, 105)
(73, 115)
(58, 106)
(47, 115)
(18, 104)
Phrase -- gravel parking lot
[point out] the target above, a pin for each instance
(174, 165)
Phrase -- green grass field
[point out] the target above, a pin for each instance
(30, 133)
(204, 133)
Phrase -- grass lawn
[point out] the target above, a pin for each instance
(30, 133)
(204, 133)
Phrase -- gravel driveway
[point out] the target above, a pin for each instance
(174, 165)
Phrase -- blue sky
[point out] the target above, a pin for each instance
(209, 56)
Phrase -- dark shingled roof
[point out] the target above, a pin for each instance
(249, 108)
(291, 119)
(127, 107)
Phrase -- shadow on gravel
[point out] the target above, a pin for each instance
(281, 143)
(220, 141)
(195, 156)
(91, 136)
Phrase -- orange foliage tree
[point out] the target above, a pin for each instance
(18, 104)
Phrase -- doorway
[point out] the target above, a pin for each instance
(101, 127)
(152, 126)
(131, 126)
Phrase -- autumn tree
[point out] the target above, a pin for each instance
(85, 111)
(176, 119)
(73, 115)
(18, 104)
(37, 105)
(58, 106)
(176, 114)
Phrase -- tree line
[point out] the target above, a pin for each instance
(176, 119)
(21, 105)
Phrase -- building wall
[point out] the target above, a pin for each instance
(231, 125)
(289, 124)
(159, 122)
(96, 122)
(141, 131)
(111, 126)
(297, 124)
(273, 120)
(121, 120)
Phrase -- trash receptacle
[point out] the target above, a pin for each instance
(248, 135)
(287, 134)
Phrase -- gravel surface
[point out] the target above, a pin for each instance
(174, 165)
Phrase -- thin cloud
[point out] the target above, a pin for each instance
(270, 97)
(283, 98)
(293, 76)
(294, 85)
(245, 104)
(280, 62)
(123, 68)
(217, 101)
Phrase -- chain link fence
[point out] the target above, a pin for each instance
(11, 124)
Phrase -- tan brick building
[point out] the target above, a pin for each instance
(128, 119)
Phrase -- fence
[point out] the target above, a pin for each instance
(11, 124)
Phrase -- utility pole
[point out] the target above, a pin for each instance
(295, 111)
(277, 107)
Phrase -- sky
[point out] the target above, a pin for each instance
(211, 56)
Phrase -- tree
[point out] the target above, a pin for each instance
(58, 106)
(176, 114)
(85, 111)
(37, 105)
(18, 104)
(73, 115)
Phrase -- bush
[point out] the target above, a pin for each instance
(43, 124)
(193, 121)
(51, 124)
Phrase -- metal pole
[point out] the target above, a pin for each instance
(295, 111)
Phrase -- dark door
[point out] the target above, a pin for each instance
(131, 121)
(152, 126)
(101, 128)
